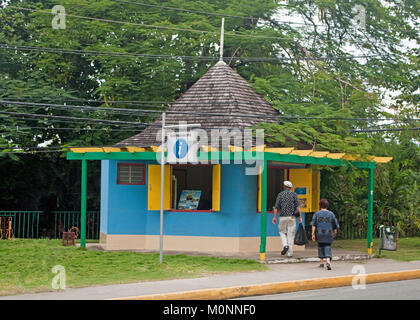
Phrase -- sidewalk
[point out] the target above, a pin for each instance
(276, 273)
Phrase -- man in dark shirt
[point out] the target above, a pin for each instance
(287, 204)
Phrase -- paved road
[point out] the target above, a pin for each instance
(276, 273)
(398, 290)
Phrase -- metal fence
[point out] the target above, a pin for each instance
(350, 226)
(29, 224)
(19, 224)
(64, 220)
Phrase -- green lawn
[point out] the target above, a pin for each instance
(408, 248)
(25, 266)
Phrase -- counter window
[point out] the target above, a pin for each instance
(187, 187)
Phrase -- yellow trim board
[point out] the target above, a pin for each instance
(84, 150)
(336, 155)
(260, 148)
(382, 159)
(280, 150)
(134, 149)
(320, 154)
(110, 149)
(303, 153)
(209, 148)
(235, 149)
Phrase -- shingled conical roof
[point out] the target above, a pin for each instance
(220, 90)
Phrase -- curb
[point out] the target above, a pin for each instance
(281, 287)
(347, 257)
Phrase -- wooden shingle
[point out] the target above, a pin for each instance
(219, 90)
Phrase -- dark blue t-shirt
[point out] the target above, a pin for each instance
(325, 222)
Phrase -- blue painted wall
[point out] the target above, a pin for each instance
(124, 208)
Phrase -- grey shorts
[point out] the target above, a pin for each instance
(324, 250)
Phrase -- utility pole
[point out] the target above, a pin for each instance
(162, 186)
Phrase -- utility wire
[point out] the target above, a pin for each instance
(139, 124)
(81, 108)
(67, 121)
(154, 26)
(161, 56)
(384, 130)
(69, 129)
(149, 103)
(70, 99)
(59, 149)
(205, 114)
(205, 13)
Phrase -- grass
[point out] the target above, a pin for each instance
(408, 248)
(25, 266)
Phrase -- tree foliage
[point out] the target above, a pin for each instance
(337, 59)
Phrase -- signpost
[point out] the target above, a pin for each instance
(181, 149)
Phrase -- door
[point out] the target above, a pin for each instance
(153, 188)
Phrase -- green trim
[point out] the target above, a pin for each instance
(263, 208)
(370, 209)
(318, 161)
(225, 155)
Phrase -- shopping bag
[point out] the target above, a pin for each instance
(300, 236)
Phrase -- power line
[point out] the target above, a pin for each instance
(161, 56)
(205, 114)
(149, 103)
(80, 108)
(222, 14)
(139, 124)
(70, 99)
(384, 130)
(186, 10)
(155, 26)
(60, 149)
(67, 121)
(70, 129)
(201, 12)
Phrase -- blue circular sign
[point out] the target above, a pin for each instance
(181, 148)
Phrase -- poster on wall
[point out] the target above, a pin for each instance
(303, 203)
(189, 199)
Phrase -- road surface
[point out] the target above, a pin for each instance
(397, 290)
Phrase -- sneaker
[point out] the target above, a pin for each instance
(285, 248)
(328, 266)
(321, 265)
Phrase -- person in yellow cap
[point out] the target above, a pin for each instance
(287, 205)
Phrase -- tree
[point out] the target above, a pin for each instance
(335, 59)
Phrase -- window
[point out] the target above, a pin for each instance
(186, 178)
(131, 173)
(201, 181)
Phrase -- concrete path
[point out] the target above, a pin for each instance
(276, 273)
